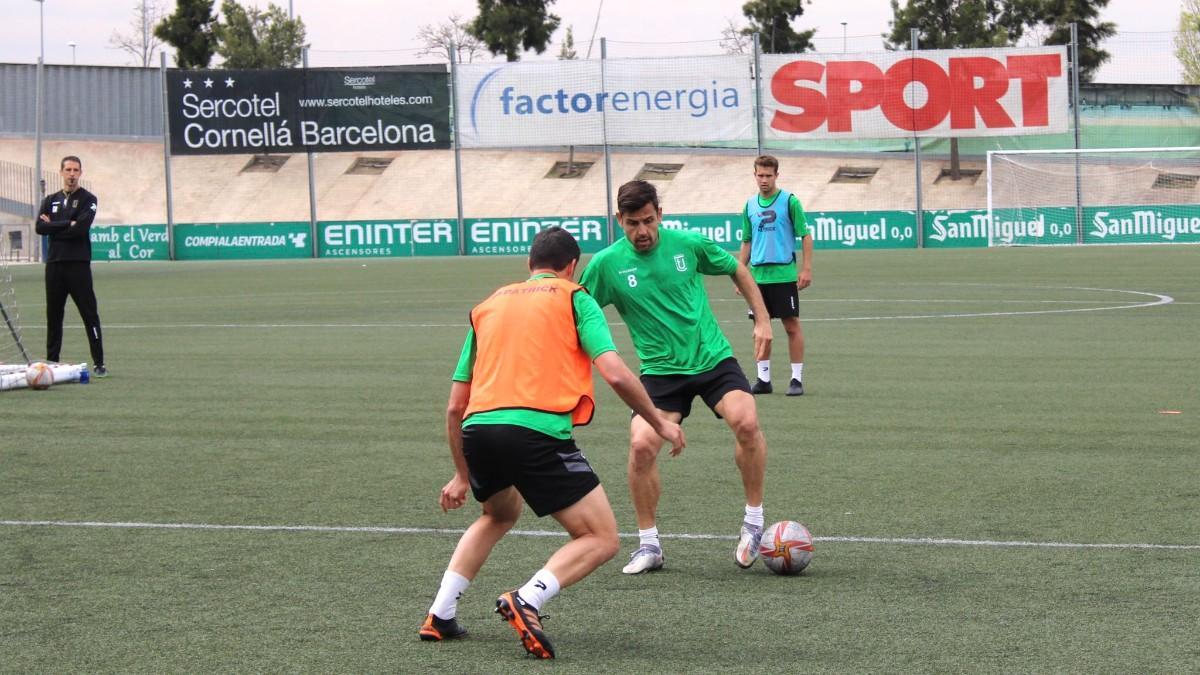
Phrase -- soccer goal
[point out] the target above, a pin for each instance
(1100, 196)
(12, 348)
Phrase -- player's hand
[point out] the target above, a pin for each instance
(737, 290)
(454, 494)
(44, 218)
(673, 433)
(762, 338)
(804, 280)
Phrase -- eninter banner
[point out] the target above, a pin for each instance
(660, 100)
(942, 93)
(298, 110)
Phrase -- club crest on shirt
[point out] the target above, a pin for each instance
(681, 263)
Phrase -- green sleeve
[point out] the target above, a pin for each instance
(591, 280)
(594, 335)
(713, 260)
(799, 220)
(746, 228)
(466, 360)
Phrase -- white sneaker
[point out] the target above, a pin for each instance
(645, 559)
(747, 548)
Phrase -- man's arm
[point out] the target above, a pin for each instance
(762, 321)
(454, 493)
(630, 389)
(81, 226)
(43, 224)
(804, 279)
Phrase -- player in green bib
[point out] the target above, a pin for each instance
(654, 277)
(772, 221)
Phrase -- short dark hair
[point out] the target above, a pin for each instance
(553, 248)
(634, 195)
(69, 158)
(767, 162)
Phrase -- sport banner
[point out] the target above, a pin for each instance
(942, 93)
(1160, 224)
(129, 242)
(297, 110)
(387, 238)
(513, 236)
(623, 101)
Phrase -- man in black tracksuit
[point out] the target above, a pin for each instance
(66, 218)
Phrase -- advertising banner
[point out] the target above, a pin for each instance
(657, 100)
(863, 229)
(387, 238)
(241, 241)
(1045, 226)
(130, 242)
(956, 228)
(512, 236)
(297, 110)
(1141, 224)
(941, 93)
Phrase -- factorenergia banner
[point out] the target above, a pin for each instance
(296, 110)
(387, 238)
(940, 93)
(658, 100)
(129, 242)
(237, 241)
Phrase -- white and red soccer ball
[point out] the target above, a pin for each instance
(39, 375)
(786, 547)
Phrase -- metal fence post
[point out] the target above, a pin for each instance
(458, 186)
(608, 196)
(312, 181)
(166, 124)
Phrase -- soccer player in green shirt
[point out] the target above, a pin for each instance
(655, 279)
(772, 220)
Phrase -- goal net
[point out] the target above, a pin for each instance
(1102, 196)
(12, 347)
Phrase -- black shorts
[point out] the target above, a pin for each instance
(674, 393)
(550, 473)
(782, 300)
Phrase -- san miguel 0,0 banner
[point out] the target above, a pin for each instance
(942, 93)
(296, 110)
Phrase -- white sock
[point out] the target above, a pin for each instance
(445, 603)
(798, 371)
(649, 537)
(764, 371)
(539, 589)
(754, 515)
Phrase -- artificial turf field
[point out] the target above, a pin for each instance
(985, 456)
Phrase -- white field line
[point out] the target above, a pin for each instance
(1158, 299)
(924, 541)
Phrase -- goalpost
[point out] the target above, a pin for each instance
(1094, 196)
(12, 348)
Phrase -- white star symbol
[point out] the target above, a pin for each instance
(187, 84)
(208, 83)
(228, 82)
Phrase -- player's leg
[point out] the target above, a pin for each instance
(795, 337)
(645, 489)
(500, 512)
(762, 382)
(727, 395)
(84, 295)
(56, 303)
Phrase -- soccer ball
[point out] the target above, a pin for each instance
(786, 547)
(39, 376)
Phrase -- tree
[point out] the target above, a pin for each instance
(253, 38)
(510, 27)
(950, 24)
(566, 51)
(735, 39)
(1187, 42)
(141, 41)
(437, 40)
(190, 31)
(1060, 14)
(772, 19)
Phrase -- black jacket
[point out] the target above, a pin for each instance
(68, 243)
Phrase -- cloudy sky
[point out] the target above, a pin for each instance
(377, 32)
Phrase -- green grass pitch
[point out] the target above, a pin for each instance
(1010, 400)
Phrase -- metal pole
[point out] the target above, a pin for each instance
(608, 193)
(458, 185)
(758, 112)
(312, 184)
(166, 117)
(917, 158)
(39, 190)
(1075, 109)
(843, 37)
